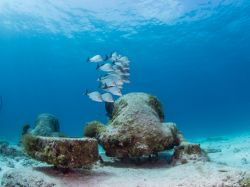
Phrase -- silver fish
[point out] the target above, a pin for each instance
(114, 90)
(107, 97)
(96, 58)
(125, 64)
(107, 67)
(126, 81)
(107, 82)
(124, 59)
(117, 63)
(94, 96)
(113, 78)
(125, 70)
(117, 67)
(115, 56)
(120, 76)
(122, 73)
(124, 77)
(110, 75)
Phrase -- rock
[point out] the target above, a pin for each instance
(245, 182)
(9, 150)
(93, 128)
(4, 147)
(244, 161)
(29, 178)
(109, 109)
(25, 129)
(236, 150)
(46, 125)
(10, 164)
(187, 152)
(136, 129)
(62, 152)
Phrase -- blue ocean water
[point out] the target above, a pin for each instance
(192, 55)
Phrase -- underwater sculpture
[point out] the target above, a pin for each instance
(136, 129)
(45, 125)
(117, 74)
(46, 143)
(62, 152)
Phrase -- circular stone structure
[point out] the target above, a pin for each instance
(46, 125)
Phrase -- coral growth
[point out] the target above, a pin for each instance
(93, 128)
(156, 104)
(118, 107)
(186, 151)
(62, 152)
(28, 178)
(46, 125)
(25, 129)
(245, 182)
(29, 143)
(10, 151)
(136, 129)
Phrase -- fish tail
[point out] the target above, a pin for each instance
(106, 58)
(88, 59)
(100, 85)
(100, 78)
(97, 66)
(86, 92)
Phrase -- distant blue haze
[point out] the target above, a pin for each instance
(197, 64)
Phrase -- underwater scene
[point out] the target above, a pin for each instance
(123, 93)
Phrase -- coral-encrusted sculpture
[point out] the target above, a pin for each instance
(46, 125)
(62, 152)
(136, 129)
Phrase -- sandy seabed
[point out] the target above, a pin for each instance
(230, 163)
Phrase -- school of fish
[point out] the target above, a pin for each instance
(116, 73)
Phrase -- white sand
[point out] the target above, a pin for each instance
(226, 169)
(235, 150)
(187, 175)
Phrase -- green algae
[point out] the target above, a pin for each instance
(118, 108)
(29, 143)
(93, 128)
(245, 182)
(25, 129)
(156, 104)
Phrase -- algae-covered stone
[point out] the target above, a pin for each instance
(25, 129)
(157, 106)
(245, 182)
(8, 150)
(62, 152)
(186, 152)
(46, 125)
(93, 128)
(135, 128)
